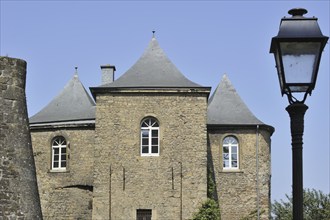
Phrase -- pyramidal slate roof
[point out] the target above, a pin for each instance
(152, 70)
(227, 108)
(72, 104)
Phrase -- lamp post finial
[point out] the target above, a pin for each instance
(297, 12)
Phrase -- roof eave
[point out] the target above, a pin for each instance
(268, 128)
(87, 123)
(156, 89)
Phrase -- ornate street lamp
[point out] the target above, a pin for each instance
(297, 50)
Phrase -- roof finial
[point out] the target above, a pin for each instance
(76, 71)
(153, 34)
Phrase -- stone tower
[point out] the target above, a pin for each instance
(151, 142)
(63, 144)
(19, 198)
(239, 155)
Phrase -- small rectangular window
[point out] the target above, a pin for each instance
(143, 214)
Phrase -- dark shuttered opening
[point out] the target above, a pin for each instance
(143, 214)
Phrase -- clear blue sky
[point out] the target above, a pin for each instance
(204, 39)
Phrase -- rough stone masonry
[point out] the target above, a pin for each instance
(19, 198)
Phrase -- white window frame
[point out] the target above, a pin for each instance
(59, 143)
(149, 126)
(230, 142)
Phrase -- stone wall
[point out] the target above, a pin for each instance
(173, 184)
(65, 195)
(236, 190)
(19, 198)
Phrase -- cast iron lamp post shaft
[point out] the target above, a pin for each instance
(297, 111)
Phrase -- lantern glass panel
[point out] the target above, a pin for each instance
(279, 68)
(299, 64)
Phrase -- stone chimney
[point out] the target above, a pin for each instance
(19, 195)
(108, 73)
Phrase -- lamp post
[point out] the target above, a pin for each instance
(297, 50)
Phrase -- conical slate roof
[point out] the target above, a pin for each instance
(152, 70)
(72, 104)
(227, 108)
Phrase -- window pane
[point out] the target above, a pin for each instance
(233, 140)
(225, 163)
(145, 133)
(154, 133)
(234, 156)
(230, 140)
(155, 124)
(63, 142)
(234, 150)
(234, 164)
(154, 149)
(56, 151)
(226, 156)
(58, 141)
(144, 125)
(63, 157)
(145, 149)
(63, 150)
(63, 164)
(56, 157)
(55, 164)
(225, 150)
(145, 141)
(154, 141)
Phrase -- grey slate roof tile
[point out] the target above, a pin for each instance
(227, 108)
(153, 69)
(72, 104)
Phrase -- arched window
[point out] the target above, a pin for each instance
(230, 152)
(149, 137)
(59, 152)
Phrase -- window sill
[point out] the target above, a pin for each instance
(231, 171)
(149, 155)
(58, 171)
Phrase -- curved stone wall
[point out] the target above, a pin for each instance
(19, 198)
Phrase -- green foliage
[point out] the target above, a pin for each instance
(282, 210)
(208, 211)
(210, 208)
(316, 206)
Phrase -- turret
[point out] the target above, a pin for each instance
(18, 192)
